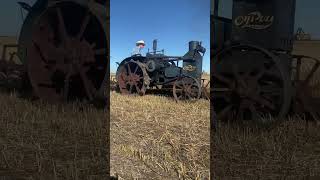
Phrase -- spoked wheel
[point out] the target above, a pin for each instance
(205, 85)
(306, 99)
(66, 59)
(186, 88)
(130, 78)
(249, 83)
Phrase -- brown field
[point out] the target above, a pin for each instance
(41, 141)
(286, 150)
(153, 137)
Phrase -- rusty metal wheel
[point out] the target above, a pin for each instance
(249, 83)
(186, 88)
(205, 89)
(306, 98)
(66, 59)
(131, 78)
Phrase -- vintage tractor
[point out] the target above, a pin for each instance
(254, 71)
(137, 74)
(63, 49)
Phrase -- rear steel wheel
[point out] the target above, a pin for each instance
(66, 59)
(249, 83)
(130, 78)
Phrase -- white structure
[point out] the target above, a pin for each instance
(139, 45)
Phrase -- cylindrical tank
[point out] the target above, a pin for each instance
(268, 23)
(192, 63)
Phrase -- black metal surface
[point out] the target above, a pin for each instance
(268, 23)
(221, 31)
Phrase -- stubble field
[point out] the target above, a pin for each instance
(42, 141)
(153, 137)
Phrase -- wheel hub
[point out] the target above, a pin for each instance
(133, 79)
(246, 89)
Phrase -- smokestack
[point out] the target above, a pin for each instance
(155, 46)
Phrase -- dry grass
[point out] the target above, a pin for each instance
(41, 141)
(152, 137)
(289, 150)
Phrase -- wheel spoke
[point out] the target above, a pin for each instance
(238, 76)
(43, 58)
(84, 25)
(130, 88)
(179, 86)
(183, 84)
(129, 69)
(137, 88)
(61, 26)
(87, 83)
(222, 78)
(259, 74)
(263, 101)
(135, 71)
(188, 95)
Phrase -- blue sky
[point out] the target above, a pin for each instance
(173, 22)
(10, 18)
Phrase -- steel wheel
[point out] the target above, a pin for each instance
(186, 88)
(130, 78)
(66, 59)
(306, 99)
(205, 92)
(249, 83)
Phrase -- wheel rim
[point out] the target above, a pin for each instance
(246, 87)
(131, 78)
(66, 59)
(186, 88)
